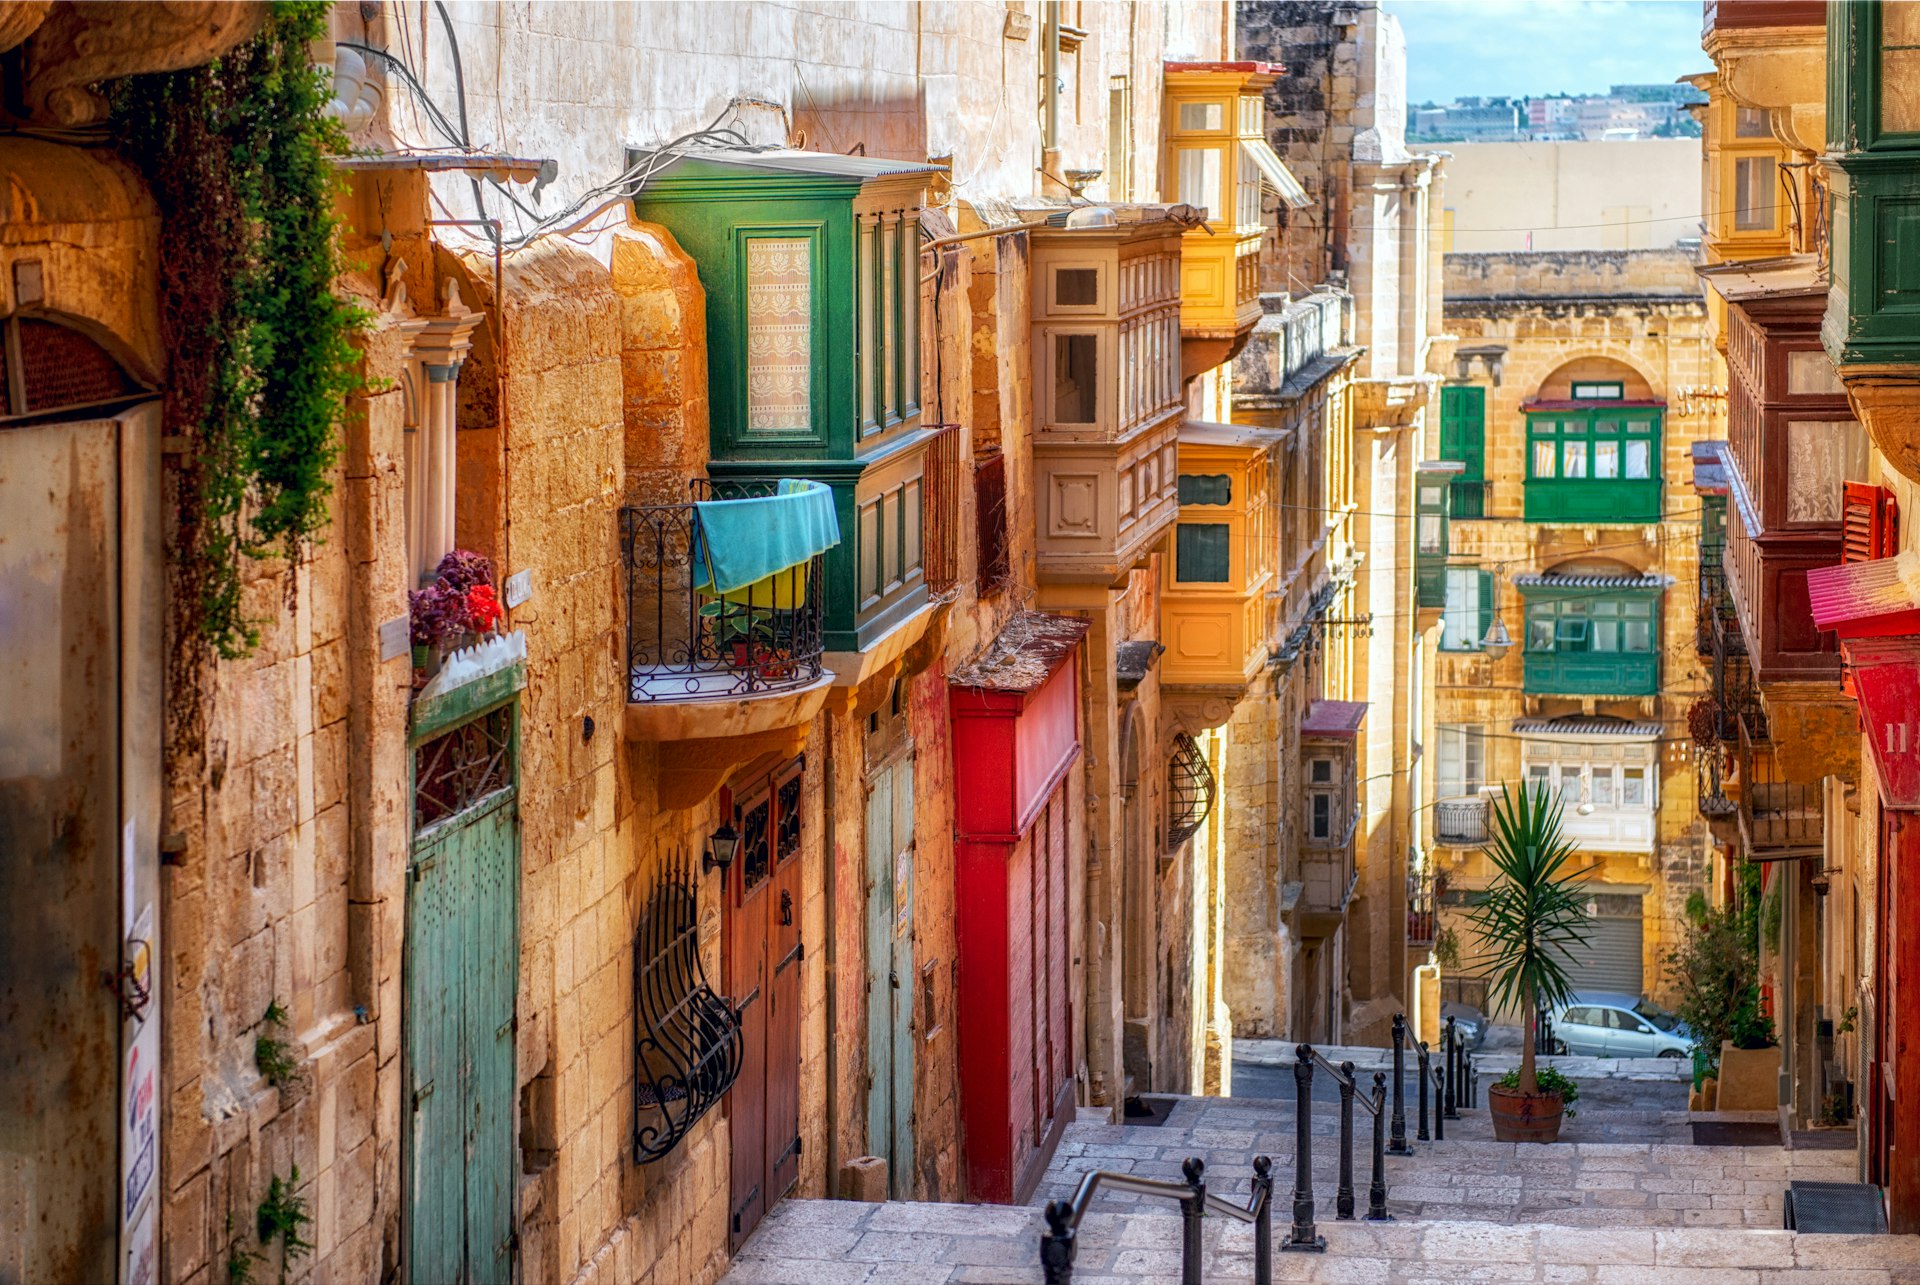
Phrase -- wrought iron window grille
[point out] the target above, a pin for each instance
(462, 766)
(687, 1042)
(1190, 789)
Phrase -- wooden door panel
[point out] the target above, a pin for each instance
(901, 984)
(879, 962)
(748, 988)
(488, 864)
(436, 981)
(783, 1017)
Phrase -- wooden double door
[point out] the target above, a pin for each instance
(890, 970)
(763, 954)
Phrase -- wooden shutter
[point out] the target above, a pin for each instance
(995, 565)
(1869, 523)
(1486, 605)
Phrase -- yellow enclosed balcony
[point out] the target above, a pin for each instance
(1218, 160)
(1106, 389)
(1214, 603)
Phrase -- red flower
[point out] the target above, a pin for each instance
(483, 608)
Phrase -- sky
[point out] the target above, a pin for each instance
(1457, 48)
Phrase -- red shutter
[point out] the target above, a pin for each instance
(1869, 523)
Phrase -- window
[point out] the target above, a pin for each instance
(1246, 188)
(1589, 391)
(1206, 488)
(1119, 138)
(1202, 117)
(1203, 553)
(1751, 122)
(1468, 613)
(1570, 785)
(1076, 397)
(1320, 771)
(1076, 287)
(1463, 438)
(1463, 761)
(1810, 373)
(1591, 446)
(1573, 459)
(1606, 459)
(779, 334)
(1753, 194)
(1824, 454)
(1198, 182)
(1542, 464)
(1869, 523)
(1600, 782)
(1633, 787)
(1585, 625)
(1321, 826)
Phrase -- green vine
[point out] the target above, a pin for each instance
(239, 157)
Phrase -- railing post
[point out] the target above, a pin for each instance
(1056, 1244)
(1473, 1081)
(1263, 1221)
(1192, 1209)
(1425, 1076)
(1301, 1236)
(1453, 1070)
(1377, 1191)
(1439, 1095)
(1399, 1146)
(1343, 1198)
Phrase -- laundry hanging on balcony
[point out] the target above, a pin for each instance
(756, 550)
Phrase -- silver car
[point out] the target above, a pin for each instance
(1594, 1024)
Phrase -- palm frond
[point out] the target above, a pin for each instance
(1534, 914)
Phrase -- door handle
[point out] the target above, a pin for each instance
(786, 909)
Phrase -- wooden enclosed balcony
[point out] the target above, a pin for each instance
(1214, 601)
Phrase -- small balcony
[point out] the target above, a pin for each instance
(710, 654)
(1420, 906)
(1460, 822)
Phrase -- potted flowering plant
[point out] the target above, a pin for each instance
(1533, 914)
(454, 610)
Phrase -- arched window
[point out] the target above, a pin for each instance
(48, 369)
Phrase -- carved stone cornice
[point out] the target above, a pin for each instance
(1782, 70)
(82, 42)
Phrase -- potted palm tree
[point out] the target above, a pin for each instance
(1533, 914)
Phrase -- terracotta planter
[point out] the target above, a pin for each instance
(1749, 1078)
(1518, 1117)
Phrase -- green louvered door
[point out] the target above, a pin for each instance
(1463, 437)
(462, 956)
(890, 975)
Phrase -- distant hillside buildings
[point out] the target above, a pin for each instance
(1624, 112)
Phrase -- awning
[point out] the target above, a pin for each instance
(1886, 682)
(1782, 276)
(1875, 599)
(1710, 467)
(1274, 170)
(1199, 432)
(1547, 580)
(1333, 718)
(1596, 727)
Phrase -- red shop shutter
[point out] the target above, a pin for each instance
(1869, 523)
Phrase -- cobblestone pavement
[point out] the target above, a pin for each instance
(1623, 1200)
(824, 1242)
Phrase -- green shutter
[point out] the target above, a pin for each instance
(1463, 438)
(1486, 605)
(1203, 553)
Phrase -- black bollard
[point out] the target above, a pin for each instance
(1301, 1236)
(1263, 1221)
(1343, 1198)
(1469, 1090)
(1056, 1244)
(1192, 1209)
(1377, 1192)
(1453, 1070)
(1439, 1094)
(1425, 1076)
(1398, 1145)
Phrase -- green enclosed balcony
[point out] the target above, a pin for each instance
(811, 266)
(1592, 635)
(1593, 460)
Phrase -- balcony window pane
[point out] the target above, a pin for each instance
(1602, 787)
(1633, 787)
(1570, 635)
(1198, 116)
(1077, 287)
(1899, 86)
(1753, 197)
(889, 303)
(779, 335)
(1606, 635)
(1540, 629)
(1639, 459)
(1811, 374)
(1203, 553)
(1247, 190)
(1639, 635)
(1322, 816)
(1431, 538)
(1542, 459)
(1539, 776)
(1569, 785)
(1606, 459)
(868, 269)
(909, 319)
(1825, 453)
(1573, 459)
(1075, 375)
(1199, 179)
(1462, 611)
(1751, 122)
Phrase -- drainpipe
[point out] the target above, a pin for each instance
(1051, 184)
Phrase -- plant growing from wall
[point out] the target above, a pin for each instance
(1446, 949)
(283, 1216)
(1532, 916)
(273, 1055)
(238, 154)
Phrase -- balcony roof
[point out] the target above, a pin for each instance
(1710, 467)
(788, 161)
(1784, 276)
(1582, 726)
(1243, 68)
(1547, 580)
(1197, 432)
(1869, 599)
(1025, 654)
(1333, 718)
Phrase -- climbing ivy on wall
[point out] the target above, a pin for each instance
(238, 155)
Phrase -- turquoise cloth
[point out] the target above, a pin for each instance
(745, 541)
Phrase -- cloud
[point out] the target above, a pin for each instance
(1515, 47)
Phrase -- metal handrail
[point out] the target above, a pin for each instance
(1058, 1243)
(1343, 1078)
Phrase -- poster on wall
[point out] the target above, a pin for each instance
(140, 1108)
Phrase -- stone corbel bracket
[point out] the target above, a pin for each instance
(78, 44)
(1888, 403)
(1783, 71)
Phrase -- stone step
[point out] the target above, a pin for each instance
(845, 1243)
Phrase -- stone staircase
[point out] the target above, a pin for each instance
(1625, 1198)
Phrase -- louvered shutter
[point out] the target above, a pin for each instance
(1869, 523)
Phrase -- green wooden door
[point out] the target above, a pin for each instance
(890, 976)
(1463, 437)
(462, 957)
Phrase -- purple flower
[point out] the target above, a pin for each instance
(462, 569)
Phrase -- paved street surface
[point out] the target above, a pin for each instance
(1624, 1200)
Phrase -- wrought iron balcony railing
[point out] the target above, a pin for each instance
(1460, 821)
(687, 643)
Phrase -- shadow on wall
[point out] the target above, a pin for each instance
(853, 120)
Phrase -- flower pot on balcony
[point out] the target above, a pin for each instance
(1749, 1078)
(1524, 1117)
